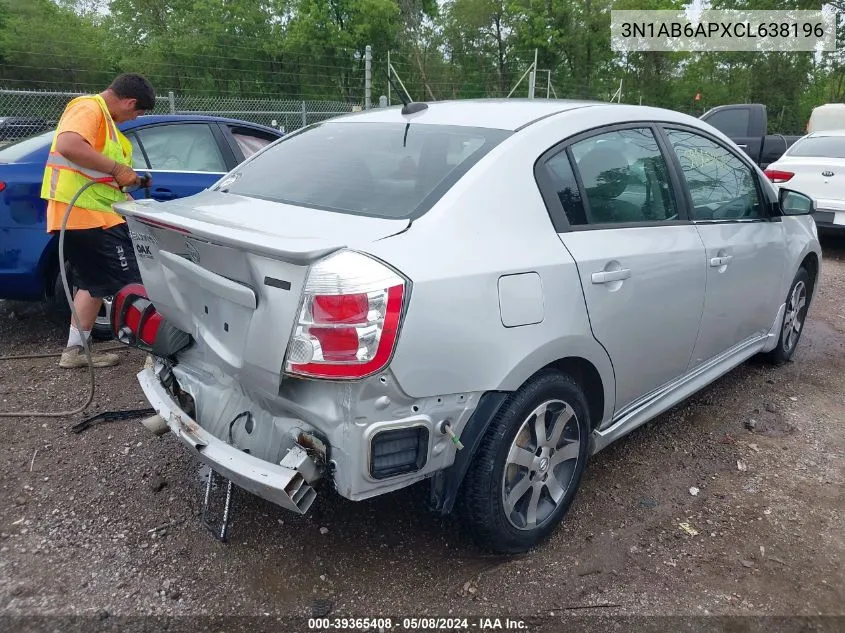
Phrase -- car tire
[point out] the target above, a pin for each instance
(102, 326)
(797, 304)
(515, 476)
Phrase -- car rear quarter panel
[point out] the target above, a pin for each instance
(491, 224)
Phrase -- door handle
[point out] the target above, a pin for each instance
(718, 262)
(163, 194)
(606, 276)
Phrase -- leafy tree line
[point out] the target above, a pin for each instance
(315, 50)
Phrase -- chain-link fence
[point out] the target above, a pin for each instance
(283, 114)
(27, 112)
(24, 112)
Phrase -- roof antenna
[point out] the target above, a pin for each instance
(408, 106)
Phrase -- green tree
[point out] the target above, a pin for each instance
(44, 45)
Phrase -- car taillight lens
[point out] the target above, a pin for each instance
(136, 322)
(134, 318)
(2, 185)
(777, 176)
(349, 321)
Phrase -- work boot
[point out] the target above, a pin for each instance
(74, 357)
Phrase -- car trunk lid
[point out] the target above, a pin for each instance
(230, 271)
(821, 178)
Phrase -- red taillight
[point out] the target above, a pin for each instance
(341, 308)
(2, 185)
(778, 176)
(125, 295)
(149, 331)
(349, 322)
(134, 318)
(337, 344)
(135, 321)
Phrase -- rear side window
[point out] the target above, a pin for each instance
(250, 141)
(732, 123)
(389, 170)
(624, 177)
(566, 188)
(820, 146)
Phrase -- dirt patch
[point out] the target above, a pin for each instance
(105, 523)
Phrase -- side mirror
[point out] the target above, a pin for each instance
(794, 203)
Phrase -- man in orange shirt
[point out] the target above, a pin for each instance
(88, 146)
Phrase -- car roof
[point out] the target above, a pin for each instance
(151, 119)
(505, 114)
(826, 133)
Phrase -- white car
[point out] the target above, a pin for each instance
(815, 166)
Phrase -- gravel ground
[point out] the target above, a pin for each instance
(763, 446)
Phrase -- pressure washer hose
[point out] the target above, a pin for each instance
(86, 347)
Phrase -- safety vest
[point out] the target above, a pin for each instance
(63, 178)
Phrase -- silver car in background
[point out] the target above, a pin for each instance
(481, 294)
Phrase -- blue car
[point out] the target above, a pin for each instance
(184, 154)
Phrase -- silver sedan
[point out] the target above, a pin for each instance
(477, 294)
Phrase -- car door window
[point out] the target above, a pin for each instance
(722, 187)
(562, 177)
(189, 147)
(733, 122)
(138, 159)
(624, 176)
(250, 141)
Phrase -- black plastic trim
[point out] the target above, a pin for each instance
(277, 283)
(445, 491)
(422, 439)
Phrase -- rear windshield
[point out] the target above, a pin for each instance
(20, 149)
(385, 170)
(821, 146)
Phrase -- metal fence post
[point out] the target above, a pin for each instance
(172, 99)
(304, 115)
(532, 78)
(368, 77)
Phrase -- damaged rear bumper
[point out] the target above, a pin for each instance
(288, 484)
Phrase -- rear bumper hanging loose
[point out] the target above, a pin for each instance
(288, 484)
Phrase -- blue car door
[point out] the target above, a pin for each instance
(182, 158)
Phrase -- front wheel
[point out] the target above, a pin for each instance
(529, 466)
(797, 304)
(102, 326)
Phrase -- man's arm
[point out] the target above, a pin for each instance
(76, 149)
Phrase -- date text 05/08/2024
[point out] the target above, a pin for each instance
(480, 624)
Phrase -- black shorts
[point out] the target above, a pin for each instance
(102, 260)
